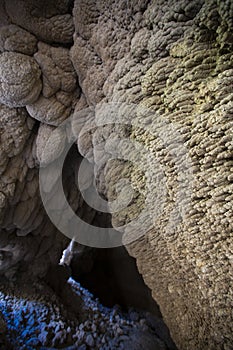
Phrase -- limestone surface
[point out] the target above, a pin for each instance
(20, 82)
(148, 85)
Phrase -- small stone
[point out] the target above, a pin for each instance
(43, 337)
(81, 326)
(90, 340)
(103, 341)
(80, 335)
(94, 328)
(119, 331)
(57, 328)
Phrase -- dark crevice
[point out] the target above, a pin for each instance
(113, 277)
(110, 274)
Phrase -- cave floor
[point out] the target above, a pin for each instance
(33, 316)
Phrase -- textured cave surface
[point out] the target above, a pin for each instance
(65, 58)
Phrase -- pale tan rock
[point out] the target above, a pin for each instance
(16, 39)
(175, 67)
(18, 70)
(53, 140)
(48, 22)
(50, 110)
(57, 70)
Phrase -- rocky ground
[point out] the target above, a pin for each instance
(32, 316)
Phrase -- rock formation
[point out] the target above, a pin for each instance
(171, 58)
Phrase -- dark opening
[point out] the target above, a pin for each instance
(112, 276)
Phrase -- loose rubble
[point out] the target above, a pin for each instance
(33, 317)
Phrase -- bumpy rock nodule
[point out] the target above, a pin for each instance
(20, 82)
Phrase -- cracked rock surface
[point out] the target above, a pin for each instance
(168, 67)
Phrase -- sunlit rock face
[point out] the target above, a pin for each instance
(173, 58)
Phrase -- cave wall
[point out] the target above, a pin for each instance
(172, 57)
